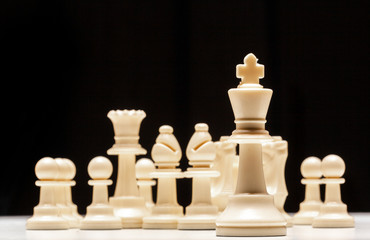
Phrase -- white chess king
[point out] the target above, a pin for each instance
(251, 210)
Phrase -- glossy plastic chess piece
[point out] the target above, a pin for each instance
(127, 203)
(201, 151)
(251, 210)
(46, 215)
(99, 214)
(60, 192)
(68, 191)
(166, 154)
(223, 186)
(333, 213)
(274, 157)
(144, 167)
(310, 207)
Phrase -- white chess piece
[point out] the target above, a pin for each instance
(274, 158)
(61, 194)
(99, 214)
(127, 203)
(251, 210)
(333, 213)
(310, 207)
(166, 154)
(144, 167)
(223, 186)
(201, 151)
(46, 215)
(68, 191)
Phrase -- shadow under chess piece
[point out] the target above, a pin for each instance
(333, 213)
(99, 214)
(46, 215)
(201, 151)
(310, 207)
(274, 157)
(127, 203)
(250, 211)
(166, 154)
(144, 168)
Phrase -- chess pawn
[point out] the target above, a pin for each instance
(250, 211)
(310, 207)
(68, 191)
(127, 203)
(99, 214)
(274, 159)
(61, 195)
(144, 167)
(333, 213)
(46, 215)
(201, 151)
(166, 154)
(223, 186)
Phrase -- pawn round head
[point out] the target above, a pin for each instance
(166, 129)
(311, 168)
(201, 127)
(144, 167)
(100, 168)
(46, 169)
(63, 169)
(333, 166)
(72, 169)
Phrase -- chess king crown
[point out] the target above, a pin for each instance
(250, 102)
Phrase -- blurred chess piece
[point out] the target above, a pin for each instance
(60, 192)
(166, 154)
(46, 215)
(310, 207)
(144, 167)
(333, 213)
(68, 191)
(127, 203)
(274, 158)
(250, 103)
(99, 214)
(223, 186)
(201, 151)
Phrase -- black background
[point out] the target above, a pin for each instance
(67, 63)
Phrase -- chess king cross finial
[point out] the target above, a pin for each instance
(250, 72)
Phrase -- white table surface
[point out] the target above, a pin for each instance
(13, 227)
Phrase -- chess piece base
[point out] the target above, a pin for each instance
(163, 217)
(100, 216)
(199, 217)
(307, 212)
(251, 215)
(289, 219)
(332, 216)
(131, 210)
(46, 218)
(66, 212)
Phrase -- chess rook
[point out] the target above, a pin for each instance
(201, 151)
(166, 154)
(99, 214)
(127, 203)
(250, 211)
(333, 213)
(310, 207)
(46, 215)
